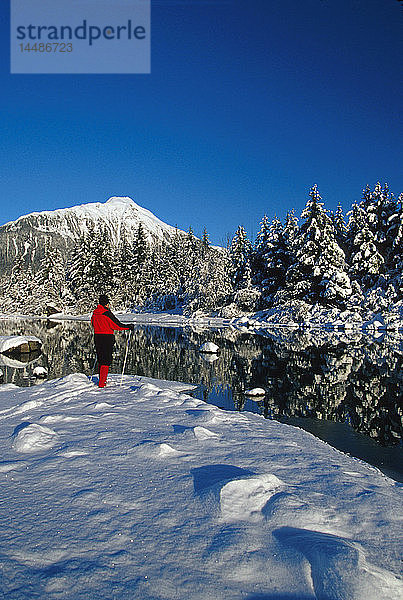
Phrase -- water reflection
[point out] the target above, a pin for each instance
(350, 379)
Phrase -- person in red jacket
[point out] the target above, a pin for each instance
(105, 323)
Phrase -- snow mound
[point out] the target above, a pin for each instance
(167, 450)
(202, 433)
(244, 499)
(209, 347)
(339, 568)
(34, 438)
(40, 372)
(257, 391)
(8, 466)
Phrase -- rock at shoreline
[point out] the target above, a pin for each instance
(19, 344)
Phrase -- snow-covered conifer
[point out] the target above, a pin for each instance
(246, 296)
(260, 249)
(274, 260)
(340, 226)
(50, 280)
(91, 269)
(240, 253)
(396, 255)
(366, 263)
(381, 208)
(124, 266)
(205, 243)
(319, 273)
(291, 229)
(141, 245)
(212, 287)
(17, 290)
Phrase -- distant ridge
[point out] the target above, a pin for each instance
(27, 235)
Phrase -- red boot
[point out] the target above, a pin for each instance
(103, 374)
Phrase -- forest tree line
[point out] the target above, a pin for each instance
(324, 258)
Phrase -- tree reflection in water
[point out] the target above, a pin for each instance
(352, 378)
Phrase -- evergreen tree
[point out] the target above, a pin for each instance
(138, 259)
(79, 259)
(319, 273)
(141, 245)
(205, 243)
(154, 276)
(240, 253)
(357, 220)
(91, 270)
(263, 236)
(275, 261)
(125, 270)
(396, 255)
(50, 280)
(162, 272)
(190, 238)
(259, 254)
(246, 296)
(381, 207)
(18, 290)
(340, 227)
(100, 268)
(211, 288)
(366, 263)
(291, 229)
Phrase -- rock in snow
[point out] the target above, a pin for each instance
(209, 347)
(142, 492)
(40, 372)
(19, 343)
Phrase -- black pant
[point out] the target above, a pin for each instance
(104, 346)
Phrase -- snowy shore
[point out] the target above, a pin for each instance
(295, 317)
(140, 491)
(301, 315)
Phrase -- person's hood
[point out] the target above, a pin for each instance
(100, 309)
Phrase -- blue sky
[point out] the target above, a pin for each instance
(249, 103)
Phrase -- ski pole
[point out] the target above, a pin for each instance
(124, 362)
(93, 367)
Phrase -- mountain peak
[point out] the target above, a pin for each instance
(119, 215)
(125, 200)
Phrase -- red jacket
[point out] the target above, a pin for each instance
(104, 321)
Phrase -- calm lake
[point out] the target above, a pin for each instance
(345, 389)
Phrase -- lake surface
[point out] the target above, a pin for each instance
(345, 389)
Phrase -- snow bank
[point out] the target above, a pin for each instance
(305, 316)
(162, 319)
(140, 491)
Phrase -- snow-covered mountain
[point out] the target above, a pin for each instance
(27, 235)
